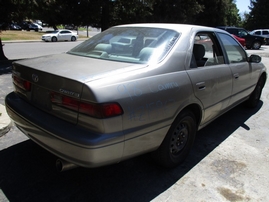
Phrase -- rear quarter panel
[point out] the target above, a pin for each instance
(151, 98)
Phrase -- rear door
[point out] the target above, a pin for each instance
(212, 81)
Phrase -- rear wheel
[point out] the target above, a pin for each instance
(256, 45)
(73, 38)
(54, 39)
(178, 141)
(256, 94)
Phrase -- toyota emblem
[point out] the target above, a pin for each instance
(35, 77)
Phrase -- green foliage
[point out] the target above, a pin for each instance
(218, 12)
(106, 13)
(258, 16)
(14, 10)
(176, 11)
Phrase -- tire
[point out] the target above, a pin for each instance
(73, 38)
(178, 141)
(54, 39)
(255, 96)
(256, 45)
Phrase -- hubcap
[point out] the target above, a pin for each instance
(179, 138)
(256, 45)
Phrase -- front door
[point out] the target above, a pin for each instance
(243, 82)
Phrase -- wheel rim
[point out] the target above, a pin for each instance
(256, 45)
(179, 138)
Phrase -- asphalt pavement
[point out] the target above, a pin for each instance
(234, 169)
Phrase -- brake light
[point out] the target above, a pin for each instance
(104, 110)
(25, 85)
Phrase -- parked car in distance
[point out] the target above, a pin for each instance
(40, 28)
(242, 41)
(252, 41)
(71, 27)
(130, 90)
(263, 33)
(24, 25)
(60, 35)
(14, 26)
(35, 27)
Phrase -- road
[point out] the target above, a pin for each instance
(216, 169)
(40, 48)
(36, 49)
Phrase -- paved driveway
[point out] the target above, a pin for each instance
(238, 168)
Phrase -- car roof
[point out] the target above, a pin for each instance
(176, 27)
(259, 30)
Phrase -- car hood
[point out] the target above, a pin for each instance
(78, 68)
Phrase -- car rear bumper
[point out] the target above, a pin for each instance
(66, 140)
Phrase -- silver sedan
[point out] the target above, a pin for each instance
(131, 90)
(60, 35)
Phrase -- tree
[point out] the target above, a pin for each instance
(218, 12)
(130, 11)
(12, 11)
(258, 15)
(6, 12)
(176, 11)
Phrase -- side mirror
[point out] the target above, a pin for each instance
(254, 58)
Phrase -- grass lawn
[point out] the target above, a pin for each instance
(23, 35)
(20, 35)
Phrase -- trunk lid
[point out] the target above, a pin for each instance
(62, 74)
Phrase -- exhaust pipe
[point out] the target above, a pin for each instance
(62, 165)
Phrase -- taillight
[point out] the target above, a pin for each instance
(104, 110)
(25, 85)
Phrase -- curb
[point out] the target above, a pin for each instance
(5, 121)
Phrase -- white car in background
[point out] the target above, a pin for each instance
(39, 26)
(60, 35)
(262, 32)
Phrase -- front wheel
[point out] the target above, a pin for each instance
(178, 141)
(54, 39)
(256, 94)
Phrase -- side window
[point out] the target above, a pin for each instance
(258, 32)
(242, 33)
(234, 51)
(206, 51)
(265, 33)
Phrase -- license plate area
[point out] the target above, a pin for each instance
(41, 97)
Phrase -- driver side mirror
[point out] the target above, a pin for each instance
(254, 58)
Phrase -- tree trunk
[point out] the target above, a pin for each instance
(2, 55)
(105, 15)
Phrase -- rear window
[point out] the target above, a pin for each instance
(129, 44)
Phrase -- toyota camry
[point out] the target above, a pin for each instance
(130, 90)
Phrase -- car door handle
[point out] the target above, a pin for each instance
(201, 85)
(236, 75)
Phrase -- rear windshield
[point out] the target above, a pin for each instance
(129, 44)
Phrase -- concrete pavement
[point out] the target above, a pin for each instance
(5, 122)
(236, 170)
